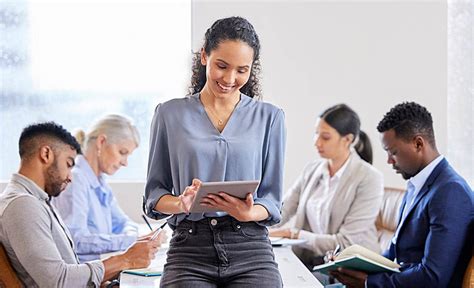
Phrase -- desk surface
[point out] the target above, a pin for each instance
(293, 272)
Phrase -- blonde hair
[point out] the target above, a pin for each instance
(116, 127)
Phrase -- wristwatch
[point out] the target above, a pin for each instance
(294, 233)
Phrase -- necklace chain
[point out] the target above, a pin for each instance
(220, 122)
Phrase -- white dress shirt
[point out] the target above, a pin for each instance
(414, 186)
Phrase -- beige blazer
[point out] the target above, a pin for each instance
(353, 208)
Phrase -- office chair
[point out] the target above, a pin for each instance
(468, 281)
(8, 276)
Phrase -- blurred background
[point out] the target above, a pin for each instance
(73, 61)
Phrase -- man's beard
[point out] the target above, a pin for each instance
(54, 183)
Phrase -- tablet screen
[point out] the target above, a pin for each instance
(238, 189)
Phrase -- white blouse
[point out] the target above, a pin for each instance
(318, 205)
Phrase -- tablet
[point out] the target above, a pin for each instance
(238, 189)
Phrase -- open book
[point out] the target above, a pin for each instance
(359, 258)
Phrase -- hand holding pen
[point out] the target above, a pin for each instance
(331, 255)
(155, 233)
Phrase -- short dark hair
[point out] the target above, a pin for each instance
(409, 119)
(46, 129)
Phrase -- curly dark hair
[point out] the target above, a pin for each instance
(409, 119)
(232, 28)
(46, 129)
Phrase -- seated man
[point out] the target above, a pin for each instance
(433, 238)
(32, 232)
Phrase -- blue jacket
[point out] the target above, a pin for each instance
(434, 244)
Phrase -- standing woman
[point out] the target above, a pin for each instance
(219, 133)
(337, 198)
(88, 207)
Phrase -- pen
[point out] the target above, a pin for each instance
(158, 231)
(334, 253)
(146, 221)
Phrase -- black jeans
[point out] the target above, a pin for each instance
(220, 252)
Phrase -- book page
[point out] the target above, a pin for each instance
(366, 253)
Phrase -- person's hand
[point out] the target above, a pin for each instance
(186, 199)
(140, 254)
(162, 236)
(331, 254)
(350, 278)
(280, 232)
(240, 209)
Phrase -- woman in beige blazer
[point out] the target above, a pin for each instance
(336, 199)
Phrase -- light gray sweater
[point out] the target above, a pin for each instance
(37, 241)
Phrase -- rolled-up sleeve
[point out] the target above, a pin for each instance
(159, 179)
(270, 190)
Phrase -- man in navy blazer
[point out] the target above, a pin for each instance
(433, 240)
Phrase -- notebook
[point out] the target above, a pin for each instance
(155, 269)
(359, 258)
(281, 241)
(147, 272)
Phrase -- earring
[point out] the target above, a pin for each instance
(98, 152)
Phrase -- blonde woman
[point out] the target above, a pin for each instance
(89, 209)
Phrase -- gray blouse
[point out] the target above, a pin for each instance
(185, 145)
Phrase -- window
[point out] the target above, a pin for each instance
(73, 61)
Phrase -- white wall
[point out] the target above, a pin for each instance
(368, 54)
(130, 198)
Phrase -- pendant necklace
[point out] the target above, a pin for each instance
(220, 122)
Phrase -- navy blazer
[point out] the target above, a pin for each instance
(434, 242)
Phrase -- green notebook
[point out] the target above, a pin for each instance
(359, 258)
(147, 272)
